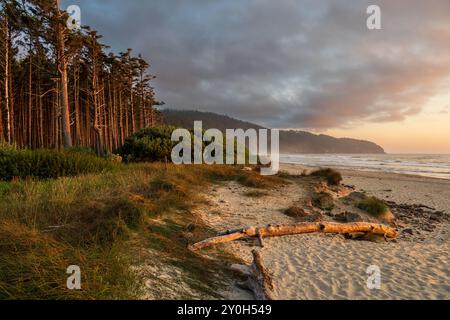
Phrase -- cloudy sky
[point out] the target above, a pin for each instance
(303, 64)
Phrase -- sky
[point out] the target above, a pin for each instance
(298, 64)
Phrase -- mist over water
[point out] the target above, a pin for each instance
(436, 166)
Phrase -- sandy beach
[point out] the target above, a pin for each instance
(414, 266)
(400, 188)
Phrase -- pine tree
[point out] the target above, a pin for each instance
(63, 89)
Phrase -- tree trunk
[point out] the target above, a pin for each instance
(76, 93)
(62, 59)
(30, 102)
(7, 84)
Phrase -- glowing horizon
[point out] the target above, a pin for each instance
(425, 133)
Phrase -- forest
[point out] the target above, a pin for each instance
(62, 88)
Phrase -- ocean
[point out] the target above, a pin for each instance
(436, 166)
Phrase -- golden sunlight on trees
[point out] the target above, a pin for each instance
(59, 88)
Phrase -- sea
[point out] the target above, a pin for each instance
(436, 166)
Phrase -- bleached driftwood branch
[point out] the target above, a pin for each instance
(298, 228)
(259, 280)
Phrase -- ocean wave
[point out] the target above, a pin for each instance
(436, 166)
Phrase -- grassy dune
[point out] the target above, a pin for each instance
(99, 222)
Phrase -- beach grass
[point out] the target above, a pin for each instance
(333, 177)
(98, 221)
(373, 206)
(295, 212)
(287, 175)
(257, 181)
(255, 194)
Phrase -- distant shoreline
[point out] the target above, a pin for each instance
(362, 171)
(421, 165)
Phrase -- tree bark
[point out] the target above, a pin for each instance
(7, 84)
(76, 93)
(62, 59)
(30, 101)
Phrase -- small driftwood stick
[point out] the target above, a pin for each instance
(263, 277)
(227, 232)
(259, 281)
(299, 228)
(260, 238)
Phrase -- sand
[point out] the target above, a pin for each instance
(330, 267)
(395, 187)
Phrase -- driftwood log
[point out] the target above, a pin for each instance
(298, 228)
(259, 280)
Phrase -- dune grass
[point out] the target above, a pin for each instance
(373, 206)
(257, 181)
(98, 221)
(255, 194)
(333, 177)
(287, 175)
(295, 212)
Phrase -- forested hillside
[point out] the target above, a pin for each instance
(290, 141)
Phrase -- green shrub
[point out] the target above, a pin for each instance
(373, 206)
(48, 164)
(155, 145)
(149, 145)
(333, 177)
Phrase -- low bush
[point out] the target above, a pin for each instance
(49, 164)
(156, 145)
(373, 206)
(295, 212)
(323, 200)
(149, 145)
(333, 177)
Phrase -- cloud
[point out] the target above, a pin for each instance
(287, 63)
(445, 110)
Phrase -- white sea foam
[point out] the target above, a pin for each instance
(437, 166)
